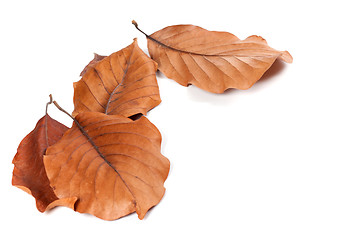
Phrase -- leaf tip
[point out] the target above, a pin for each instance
(286, 56)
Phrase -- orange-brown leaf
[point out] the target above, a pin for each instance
(29, 172)
(123, 83)
(112, 164)
(211, 60)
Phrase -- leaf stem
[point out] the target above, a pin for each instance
(48, 103)
(153, 39)
(46, 116)
(136, 25)
(62, 110)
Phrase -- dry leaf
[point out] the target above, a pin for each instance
(112, 164)
(109, 163)
(123, 83)
(211, 60)
(29, 173)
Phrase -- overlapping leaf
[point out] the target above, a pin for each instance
(107, 164)
(112, 164)
(211, 60)
(123, 83)
(29, 173)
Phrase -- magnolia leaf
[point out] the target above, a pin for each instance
(211, 60)
(123, 83)
(111, 164)
(29, 172)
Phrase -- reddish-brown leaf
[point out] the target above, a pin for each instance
(123, 83)
(211, 60)
(111, 164)
(29, 172)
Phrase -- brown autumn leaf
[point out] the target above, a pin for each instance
(29, 172)
(211, 60)
(123, 83)
(111, 164)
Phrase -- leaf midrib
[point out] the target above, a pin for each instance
(121, 82)
(82, 130)
(202, 54)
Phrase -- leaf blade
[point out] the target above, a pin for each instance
(197, 47)
(29, 173)
(107, 82)
(117, 170)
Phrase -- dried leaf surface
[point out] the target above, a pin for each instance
(29, 172)
(211, 60)
(123, 83)
(112, 164)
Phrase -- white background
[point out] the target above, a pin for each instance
(271, 162)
